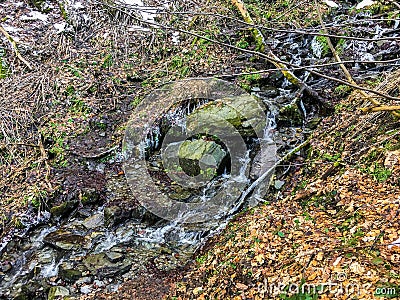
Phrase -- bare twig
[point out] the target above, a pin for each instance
(14, 45)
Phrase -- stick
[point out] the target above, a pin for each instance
(343, 67)
(14, 45)
(380, 108)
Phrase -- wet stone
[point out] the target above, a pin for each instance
(114, 215)
(46, 255)
(94, 221)
(115, 256)
(85, 289)
(65, 240)
(101, 266)
(84, 280)
(57, 292)
(68, 273)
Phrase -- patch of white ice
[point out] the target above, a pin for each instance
(365, 3)
(331, 3)
(34, 15)
(60, 27)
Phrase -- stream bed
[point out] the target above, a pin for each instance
(95, 247)
(86, 245)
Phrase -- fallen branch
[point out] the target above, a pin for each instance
(270, 56)
(268, 173)
(14, 45)
(380, 108)
(350, 79)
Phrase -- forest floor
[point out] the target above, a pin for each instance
(327, 231)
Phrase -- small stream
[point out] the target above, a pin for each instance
(97, 248)
(88, 251)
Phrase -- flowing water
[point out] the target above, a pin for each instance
(85, 252)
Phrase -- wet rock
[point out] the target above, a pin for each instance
(46, 255)
(57, 292)
(101, 266)
(115, 256)
(84, 280)
(200, 155)
(89, 196)
(98, 283)
(85, 289)
(65, 240)
(67, 272)
(94, 221)
(111, 215)
(64, 208)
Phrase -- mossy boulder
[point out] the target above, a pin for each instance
(229, 116)
(64, 208)
(68, 273)
(196, 157)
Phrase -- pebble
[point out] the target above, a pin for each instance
(85, 289)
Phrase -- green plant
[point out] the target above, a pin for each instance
(4, 71)
(107, 61)
(242, 43)
(323, 42)
(342, 91)
(201, 259)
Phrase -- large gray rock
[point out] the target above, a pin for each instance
(93, 221)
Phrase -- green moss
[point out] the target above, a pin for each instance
(342, 90)
(323, 41)
(4, 70)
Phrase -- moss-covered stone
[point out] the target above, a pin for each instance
(229, 116)
(63, 209)
(68, 273)
(290, 115)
